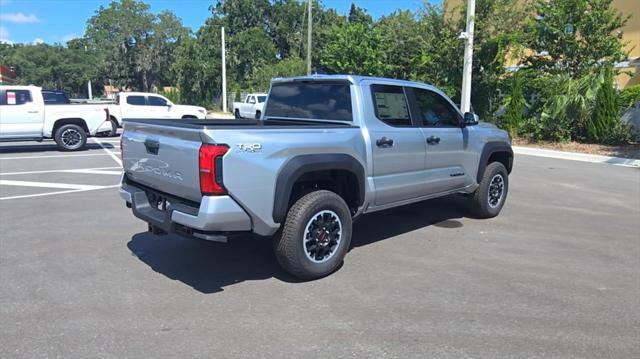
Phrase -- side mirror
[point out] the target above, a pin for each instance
(169, 104)
(470, 119)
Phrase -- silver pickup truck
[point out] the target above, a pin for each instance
(326, 150)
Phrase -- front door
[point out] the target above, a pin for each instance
(20, 116)
(440, 124)
(398, 147)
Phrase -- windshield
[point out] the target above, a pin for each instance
(261, 99)
(312, 100)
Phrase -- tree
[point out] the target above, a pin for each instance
(402, 44)
(354, 49)
(135, 45)
(359, 15)
(604, 121)
(574, 36)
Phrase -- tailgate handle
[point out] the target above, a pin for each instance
(152, 146)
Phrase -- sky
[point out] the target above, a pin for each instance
(58, 21)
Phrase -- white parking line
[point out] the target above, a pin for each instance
(58, 192)
(108, 151)
(58, 156)
(96, 172)
(80, 170)
(47, 184)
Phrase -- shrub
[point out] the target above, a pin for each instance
(605, 117)
(172, 94)
(515, 106)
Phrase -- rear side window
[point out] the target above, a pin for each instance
(391, 106)
(135, 100)
(15, 97)
(310, 100)
(157, 101)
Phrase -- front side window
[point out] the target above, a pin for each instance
(262, 99)
(135, 100)
(15, 97)
(434, 110)
(316, 100)
(390, 104)
(157, 101)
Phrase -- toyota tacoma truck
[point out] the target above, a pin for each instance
(24, 117)
(327, 150)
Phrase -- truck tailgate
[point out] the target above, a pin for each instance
(163, 158)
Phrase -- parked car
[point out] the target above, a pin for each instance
(150, 105)
(251, 107)
(24, 116)
(327, 150)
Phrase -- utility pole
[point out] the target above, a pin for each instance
(224, 74)
(309, 39)
(89, 90)
(465, 98)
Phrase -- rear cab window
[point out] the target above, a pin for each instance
(310, 100)
(10, 97)
(136, 100)
(391, 105)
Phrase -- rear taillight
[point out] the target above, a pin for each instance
(211, 169)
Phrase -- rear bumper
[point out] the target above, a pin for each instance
(216, 215)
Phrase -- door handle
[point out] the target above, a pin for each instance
(384, 142)
(152, 146)
(433, 140)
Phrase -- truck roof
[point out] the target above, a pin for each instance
(354, 79)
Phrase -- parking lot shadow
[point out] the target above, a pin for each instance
(208, 267)
(47, 147)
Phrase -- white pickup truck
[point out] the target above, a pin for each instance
(251, 107)
(24, 117)
(150, 105)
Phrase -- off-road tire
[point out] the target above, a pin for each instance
(62, 141)
(289, 244)
(480, 199)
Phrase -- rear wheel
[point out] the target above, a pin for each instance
(315, 236)
(70, 137)
(114, 128)
(489, 197)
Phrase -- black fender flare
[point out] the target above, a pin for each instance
(299, 165)
(489, 149)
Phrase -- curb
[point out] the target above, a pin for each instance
(584, 157)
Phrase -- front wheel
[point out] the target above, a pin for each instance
(489, 197)
(258, 114)
(315, 236)
(70, 137)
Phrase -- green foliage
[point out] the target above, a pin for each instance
(630, 96)
(172, 94)
(135, 47)
(354, 49)
(292, 66)
(603, 123)
(574, 36)
(515, 107)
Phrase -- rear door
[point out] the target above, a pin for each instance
(440, 123)
(20, 115)
(398, 147)
(248, 106)
(135, 106)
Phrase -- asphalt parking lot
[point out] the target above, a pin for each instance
(557, 274)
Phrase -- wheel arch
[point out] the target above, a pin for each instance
(337, 172)
(69, 121)
(495, 151)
